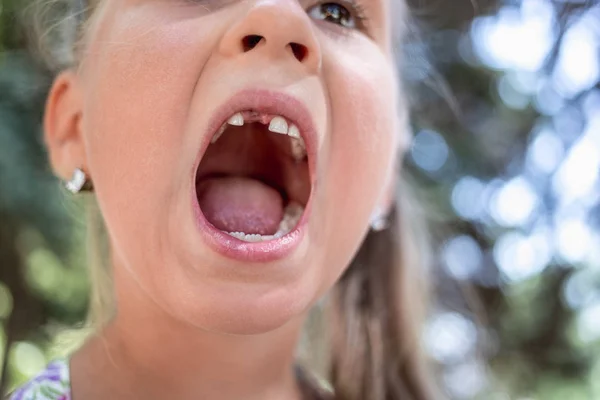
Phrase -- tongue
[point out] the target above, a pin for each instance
(237, 204)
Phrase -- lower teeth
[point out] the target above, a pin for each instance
(291, 216)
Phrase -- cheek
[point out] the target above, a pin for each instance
(139, 85)
(362, 147)
(365, 138)
(363, 89)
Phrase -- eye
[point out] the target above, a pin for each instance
(334, 13)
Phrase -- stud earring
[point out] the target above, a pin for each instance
(379, 220)
(79, 182)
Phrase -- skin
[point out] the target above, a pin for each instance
(191, 323)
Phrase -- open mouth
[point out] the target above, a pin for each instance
(253, 182)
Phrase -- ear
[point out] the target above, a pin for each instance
(62, 125)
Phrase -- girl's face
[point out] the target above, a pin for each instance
(160, 78)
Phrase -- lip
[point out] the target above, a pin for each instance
(274, 103)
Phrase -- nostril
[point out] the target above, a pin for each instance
(250, 41)
(300, 51)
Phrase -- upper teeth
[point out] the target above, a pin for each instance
(298, 149)
(294, 132)
(278, 124)
(236, 120)
(219, 133)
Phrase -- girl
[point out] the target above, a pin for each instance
(243, 156)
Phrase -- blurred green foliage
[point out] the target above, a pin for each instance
(43, 286)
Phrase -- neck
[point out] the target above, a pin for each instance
(147, 353)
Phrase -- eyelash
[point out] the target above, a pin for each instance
(356, 8)
(360, 13)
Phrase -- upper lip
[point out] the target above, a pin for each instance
(268, 102)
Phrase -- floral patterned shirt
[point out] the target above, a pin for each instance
(53, 383)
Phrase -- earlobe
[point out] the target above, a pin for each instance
(62, 125)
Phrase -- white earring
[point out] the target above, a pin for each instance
(79, 182)
(379, 220)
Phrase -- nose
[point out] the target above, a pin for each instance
(277, 29)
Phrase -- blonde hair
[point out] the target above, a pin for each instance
(374, 312)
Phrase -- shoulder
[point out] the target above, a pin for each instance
(51, 384)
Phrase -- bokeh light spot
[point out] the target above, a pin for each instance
(573, 239)
(466, 380)
(514, 202)
(28, 358)
(450, 337)
(520, 257)
(545, 152)
(467, 198)
(517, 38)
(462, 257)
(588, 328)
(429, 150)
(578, 68)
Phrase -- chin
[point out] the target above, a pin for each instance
(247, 315)
(231, 306)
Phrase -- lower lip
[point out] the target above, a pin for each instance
(254, 252)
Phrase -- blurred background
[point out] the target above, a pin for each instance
(506, 114)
